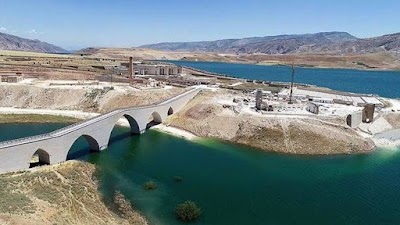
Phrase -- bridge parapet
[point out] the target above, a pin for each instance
(16, 154)
(88, 122)
(24, 140)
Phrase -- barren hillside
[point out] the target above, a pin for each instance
(324, 42)
(204, 117)
(60, 194)
(11, 42)
(88, 100)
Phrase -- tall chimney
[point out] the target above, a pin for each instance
(130, 69)
(258, 99)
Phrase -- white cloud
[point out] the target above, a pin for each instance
(3, 29)
(33, 31)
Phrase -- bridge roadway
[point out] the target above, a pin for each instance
(53, 147)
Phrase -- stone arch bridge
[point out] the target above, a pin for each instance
(53, 147)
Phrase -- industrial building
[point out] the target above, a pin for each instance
(322, 97)
(12, 78)
(154, 69)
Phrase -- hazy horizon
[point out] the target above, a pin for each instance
(75, 24)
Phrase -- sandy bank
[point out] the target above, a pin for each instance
(175, 131)
(387, 139)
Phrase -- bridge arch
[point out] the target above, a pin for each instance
(133, 124)
(170, 111)
(154, 119)
(117, 134)
(80, 141)
(39, 158)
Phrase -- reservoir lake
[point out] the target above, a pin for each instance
(238, 185)
(383, 83)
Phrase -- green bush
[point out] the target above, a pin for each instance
(187, 211)
(150, 185)
(178, 178)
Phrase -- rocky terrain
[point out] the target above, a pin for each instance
(394, 120)
(11, 42)
(88, 100)
(318, 43)
(204, 117)
(66, 193)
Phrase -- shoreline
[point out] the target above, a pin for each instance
(381, 140)
(43, 201)
(300, 66)
(50, 112)
(87, 115)
(387, 139)
(175, 132)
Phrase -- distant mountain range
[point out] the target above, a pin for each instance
(11, 42)
(318, 43)
(340, 43)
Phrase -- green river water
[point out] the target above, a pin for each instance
(237, 185)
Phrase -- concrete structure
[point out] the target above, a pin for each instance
(322, 100)
(53, 147)
(365, 116)
(312, 108)
(368, 113)
(372, 101)
(263, 93)
(354, 120)
(143, 69)
(286, 107)
(12, 78)
(331, 97)
(155, 84)
(139, 68)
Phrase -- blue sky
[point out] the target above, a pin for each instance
(75, 24)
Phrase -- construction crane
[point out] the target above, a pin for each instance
(291, 86)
